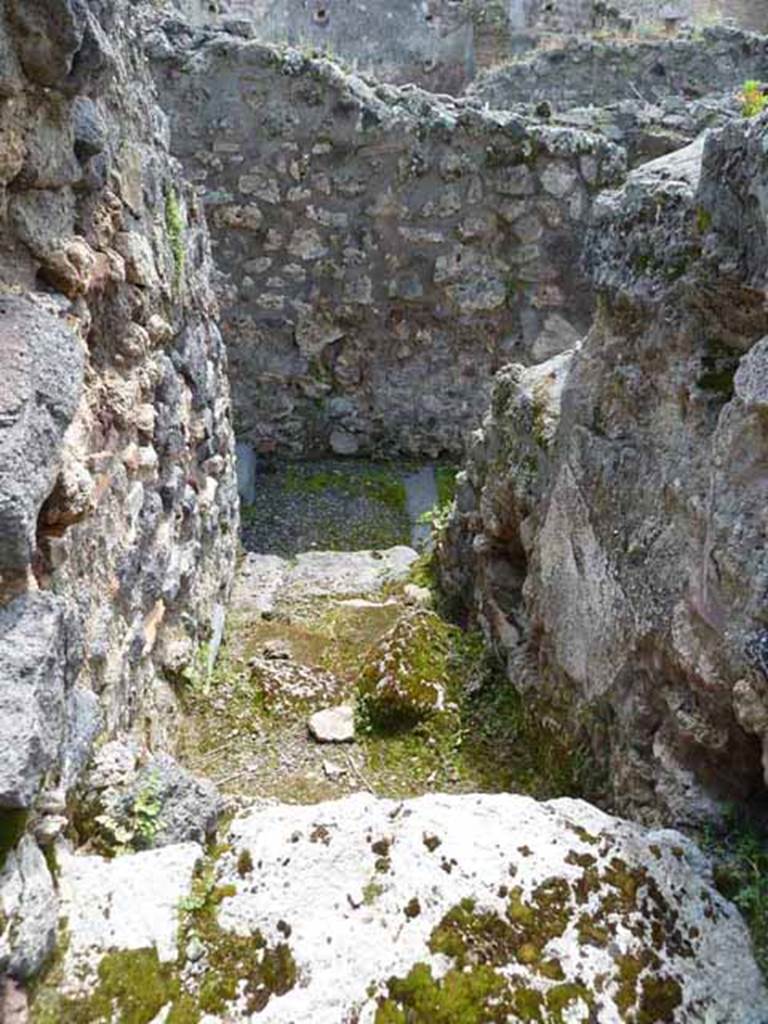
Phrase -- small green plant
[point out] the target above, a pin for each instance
(205, 896)
(438, 517)
(174, 225)
(741, 874)
(753, 99)
(146, 812)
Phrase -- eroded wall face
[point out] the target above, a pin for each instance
(749, 14)
(600, 73)
(609, 529)
(117, 500)
(429, 42)
(564, 16)
(381, 252)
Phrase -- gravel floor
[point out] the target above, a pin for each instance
(337, 505)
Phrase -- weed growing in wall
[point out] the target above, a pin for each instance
(174, 225)
(753, 99)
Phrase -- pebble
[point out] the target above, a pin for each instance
(333, 725)
(333, 771)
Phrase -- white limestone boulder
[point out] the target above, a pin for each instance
(574, 912)
(438, 910)
(132, 902)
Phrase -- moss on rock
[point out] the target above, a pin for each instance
(132, 987)
(405, 679)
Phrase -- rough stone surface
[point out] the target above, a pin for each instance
(430, 43)
(41, 366)
(569, 16)
(587, 70)
(38, 661)
(350, 929)
(359, 891)
(117, 488)
(648, 130)
(610, 539)
(373, 238)
(28, 912)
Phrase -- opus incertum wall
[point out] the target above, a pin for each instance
(382, 251)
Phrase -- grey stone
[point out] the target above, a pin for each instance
(118, 507)
(89, 128)
(404, 42)
(28, 911)
(41, 364)
(420, 291)
(344, 443)
(48, 828)
(195, 949)
(556, 336)
(333, 771)
(128, 903)
(61, 43)
(711, 61)
(84, 723)
(36, 654)
(472, 862)
(751, 379)
(609, 598)
(333, 725)
(190, 807)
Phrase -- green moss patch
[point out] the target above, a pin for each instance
(405, 676)
(378, 483)
(484, 945)
(232, 964)
(132, 987)
(474, 990)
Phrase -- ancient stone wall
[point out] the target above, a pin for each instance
(589, 71)
(551, 15)
(568, 16)
(749, 14)
(428, 42)
(117, 503)
(381, 251)
(614, 503)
